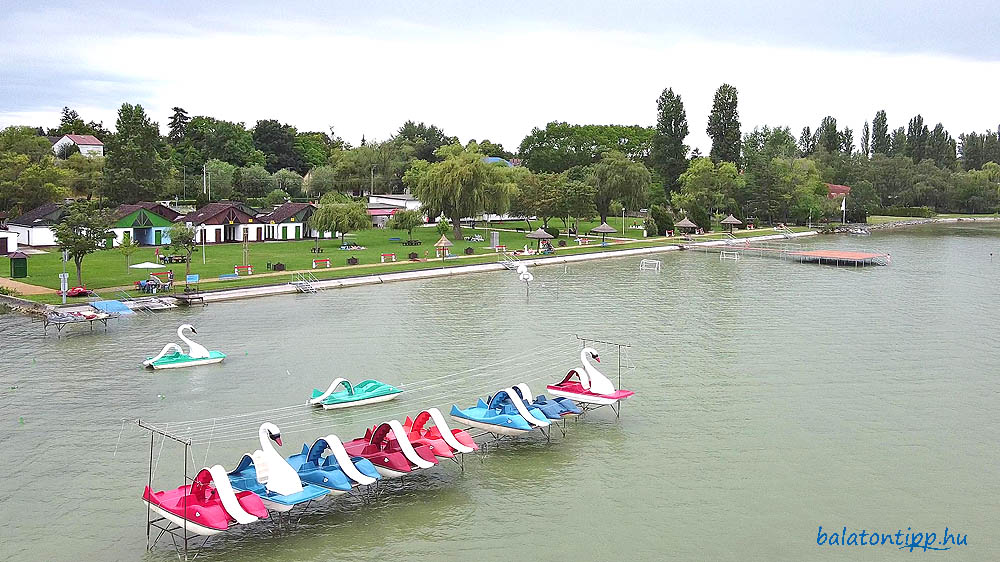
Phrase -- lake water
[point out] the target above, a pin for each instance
(772, 397)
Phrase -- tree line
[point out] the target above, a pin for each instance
(568, 171)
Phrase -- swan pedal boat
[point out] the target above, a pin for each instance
(590, 386)
(501, 415)
(173, 357)
(365, 392)
(267, 474)
(207, 506)
(393, 456)
(337, 472)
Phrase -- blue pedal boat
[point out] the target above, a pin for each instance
(501, 415)
(244, 478)
(338, 472)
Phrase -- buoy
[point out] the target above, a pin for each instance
(21, 420)
(160, 396)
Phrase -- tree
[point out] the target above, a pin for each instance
(866, 138)
(827, 136)
(616, 178)
(706, 187)
(668, 155)
(313, 149)
(85, 174)
(493, 149)
(320, 180)
(81, 232)
(897, 143)
(561, 146)
(457, 186)
(254, 181)
(340, 217)
(24, 140)
(422, 140)
(862, 201)
(184, 240)
(941, 147)
(25, 185)
(807, 142)
(916, 139)
(288, 181)
(128, 247)
(724, 126)
(880, 134)
(134, 169)
(406, 220)
(276, 197)
(846, 138)
(70, 123)
(223, 140)
(219, 178)
(178, 125)
(278, 143)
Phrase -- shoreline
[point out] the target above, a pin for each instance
(221, 295)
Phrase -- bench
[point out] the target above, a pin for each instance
(395, 239)
(500, 248)
(246, 269)
(390, 257)
(317, 263)
(228, 277)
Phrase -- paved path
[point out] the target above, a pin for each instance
(25, 288)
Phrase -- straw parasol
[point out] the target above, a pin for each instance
(442, 246)
(540, 235)
(685, 223)
(147, 265)
(604, 230)
(731, 221)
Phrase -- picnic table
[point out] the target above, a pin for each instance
(172, 258)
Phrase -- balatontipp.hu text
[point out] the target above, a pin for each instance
(908, 539)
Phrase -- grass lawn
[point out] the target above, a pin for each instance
(105, 270)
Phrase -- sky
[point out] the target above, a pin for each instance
(495, 71)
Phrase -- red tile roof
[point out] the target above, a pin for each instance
(85, 139)
(286, 211)
(837, 190)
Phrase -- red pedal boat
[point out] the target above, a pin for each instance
(207, 506)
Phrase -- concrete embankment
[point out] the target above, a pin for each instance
(250, 292)
(914, 222)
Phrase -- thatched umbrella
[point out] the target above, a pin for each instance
(731, 221)
(540, 235)
(442, 245)
(685, 223)
(604, 230)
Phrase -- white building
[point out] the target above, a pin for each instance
(34, 228)
(89, 144)
(8, 242)
(400, 201)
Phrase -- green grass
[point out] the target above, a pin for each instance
(105, 269)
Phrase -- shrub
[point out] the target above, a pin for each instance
(650, 225)
(443, 227)
(10, 292)
(552, 230)
(663, 218)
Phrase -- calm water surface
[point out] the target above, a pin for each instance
(772, 398)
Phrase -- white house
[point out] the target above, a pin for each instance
(34, 228)
(8, 242)
(400, 201)
(89, 144)
(225, 221)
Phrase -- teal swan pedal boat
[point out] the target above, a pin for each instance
(365, 392)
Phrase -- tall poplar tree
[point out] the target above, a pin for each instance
(669, 153)
(866, 139)
(178, 125)
(134, 170)
(916, 139)
(724, 126)
(880, 134)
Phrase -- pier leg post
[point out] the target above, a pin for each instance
(149, 484)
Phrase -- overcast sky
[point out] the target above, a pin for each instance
(478, 72)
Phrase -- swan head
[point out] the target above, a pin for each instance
(273, 433)
(187, 327)
(592, 352)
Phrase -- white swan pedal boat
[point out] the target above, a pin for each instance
(173, 357)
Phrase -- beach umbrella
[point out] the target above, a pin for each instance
(604, 230)
(731, 221)
(685, 223)
(442, 246)
(540, 235)
(147, 265)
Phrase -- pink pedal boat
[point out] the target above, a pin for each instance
(392, 456)
(442, 440)
(207, 506)
(591, 386)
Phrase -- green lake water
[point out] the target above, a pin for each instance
(772, 397)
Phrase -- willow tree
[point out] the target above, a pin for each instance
(340, 217)
(461, 185)
(616, 178)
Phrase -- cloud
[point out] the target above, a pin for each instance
(500, 83)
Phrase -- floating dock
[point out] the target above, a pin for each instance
(791, 251)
